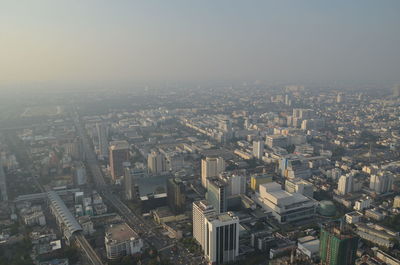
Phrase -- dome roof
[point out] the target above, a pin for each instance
(326, 208)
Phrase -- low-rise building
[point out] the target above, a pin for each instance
(121, 240)
(285, 206)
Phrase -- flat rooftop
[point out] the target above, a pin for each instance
(120, 232)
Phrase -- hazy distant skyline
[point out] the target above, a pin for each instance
(94, 41)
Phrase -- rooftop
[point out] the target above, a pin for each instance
(120, 232)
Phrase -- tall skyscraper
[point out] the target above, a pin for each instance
(211, 167)
(156, 163)
(201, 210)
(381, 183)
(128, 182)
(217, 194)
(176, 195)
(221, 238)
(119, 153)
(258, 149)
(345, 184)
(338, 245)
(80, 174)
(3, 185)
(103, 140)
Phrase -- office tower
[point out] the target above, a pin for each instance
(80, 174)
(258, 149)
(338, 245)
(176, 195)
(3, 185)
(156, 163)
(381, 183)
(119, 153)
(221, 238)
(201, 209)
(211, 167)
(235, 183)
(246, 123)
(217, 194)
(128, 182)
(102, 140)
(345, 184)
(340, 97)
(74, 149)
(396, 91)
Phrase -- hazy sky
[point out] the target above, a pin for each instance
(86, 41)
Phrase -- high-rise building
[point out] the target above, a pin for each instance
(340, 97)
(156, 163)
(119, 153)
(217, 194)
(102, 140)
(211, 167)
(201, 209)
(381, 183)
(3, 185)
(396, 202)
(338, 245)
(80, 174)
(235, 183)
(221, 238)
(130, 189)
(345, 184)
(258, 149)
(176, 195)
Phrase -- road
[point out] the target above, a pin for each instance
(148, 231)
(87, 248)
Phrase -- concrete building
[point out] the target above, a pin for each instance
(301, 186)
(338, 245)
(236, 183)
(176, 195)
(211, 167)
(130, 189)
(201, 210)
(396, 202)
(362, 204)
(102, 137)
(345, 184)
(3, 185)
(276, 141)
(353, 217)
(119, 153)
(308, 246)
(217, 194)
(257, 180)
(120, 240)
(381, 183)
(221, 238)
(258, 149)
(156, 163)
(80, 174)
(285, 206)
